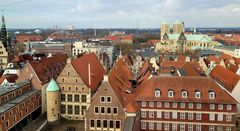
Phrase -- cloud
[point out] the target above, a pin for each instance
(120, 13)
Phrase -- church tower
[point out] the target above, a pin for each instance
(165, 28)
(178, 27)
(53, 101)
(3, 32)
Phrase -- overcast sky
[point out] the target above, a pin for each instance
(120, 13)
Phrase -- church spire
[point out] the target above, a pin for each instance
(3, 32)
(3, 21)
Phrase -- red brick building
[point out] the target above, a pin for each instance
(17, 103)
(28, 38)
(185, 103)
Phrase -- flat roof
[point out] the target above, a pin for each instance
(4, 89)
(10, 104)
(232, 48)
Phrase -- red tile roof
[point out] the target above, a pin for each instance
(50, 67)
(146, 91)
(225, 56)
(233, 68)
(191, 70)
(131, 105)
(11, 78)
(181, 58)
(212, 58)
(81, 65)
(145, 72)
(225, 77)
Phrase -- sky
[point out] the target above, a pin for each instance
(119, 13)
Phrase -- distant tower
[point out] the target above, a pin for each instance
(3, 32)
(165, 28)
(178, 27)
(53, 101)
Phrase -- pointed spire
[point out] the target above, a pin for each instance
(3, 21)
(120, 54)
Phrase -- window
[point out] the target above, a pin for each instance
(182, 105)
(174, 126)
(212, 106)
(211, 95)
(104, 123)
(96, 109)
(182, 127)
(102, 110)
(76, 98)
(76, 108)
(228, 117)
(190, 105)
(159, 104)
(151, 126)
(143, 103)
(211, 116)
(109, 110)
(198, 128)
(99, 123)
(220, 117)
(199, 106)
(84, 98)
(190, 116)
(151, 114)
(7, 125)
(198, 116)
(159, 126)
(174, 115)
(220, 106)
(166, 126)
(70, 109)
(229, 107)
(197, 94)
(166, 115)
(228, 128)
(69, 97)
(182, 115)
(143, 114)
(151, 104)
(211, 128)
(157, 93)
(92, 123)
(184, 94)
(111, 124)
(109, 99)
(159, 114)
(63, 97)
(190, 127)
(174, 105)
(143, 125)
(118, 124)
(166, 104)
(115, 110)
(170, 94)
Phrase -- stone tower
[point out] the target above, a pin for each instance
(178, 27)
(53, 101)
(165, 28)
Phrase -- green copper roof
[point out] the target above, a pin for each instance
(52, 86)
(191, 37)
(3, 22)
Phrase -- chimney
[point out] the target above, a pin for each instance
(89, 74)
(105, 78)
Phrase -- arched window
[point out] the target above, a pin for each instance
(170, 93)
(157, 93)
(211, 95)
(184, 94)
(197, 94)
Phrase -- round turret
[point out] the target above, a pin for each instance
(53, 101)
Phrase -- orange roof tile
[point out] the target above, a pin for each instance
(146, 91)
(97, 71)
(233, 68)
(225, 77)
(11, 78)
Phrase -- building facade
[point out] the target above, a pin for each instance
(3, 56)
(17, 103)
(177, 104)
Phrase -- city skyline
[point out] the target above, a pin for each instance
(120, 14)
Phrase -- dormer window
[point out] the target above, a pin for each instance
(170, 93)
(157, 93)
(211, 95)
(184, 94)
(197, 94)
